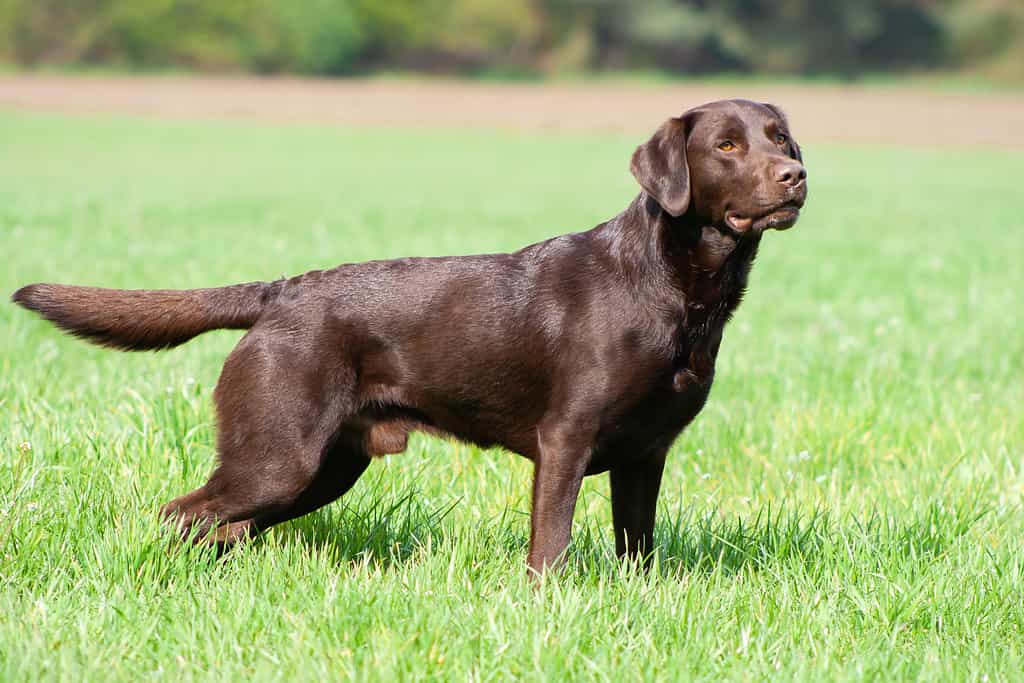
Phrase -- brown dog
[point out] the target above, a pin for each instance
(586, 353)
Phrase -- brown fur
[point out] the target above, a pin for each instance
(586, 353)
(141, 320)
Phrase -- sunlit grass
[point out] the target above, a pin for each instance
(847, 505)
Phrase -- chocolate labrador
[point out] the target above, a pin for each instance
(585, 353)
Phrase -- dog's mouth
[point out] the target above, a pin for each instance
(781, 217)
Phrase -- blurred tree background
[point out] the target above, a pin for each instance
(846, 38)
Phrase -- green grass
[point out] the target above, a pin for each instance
(964, 81)
(847, 506)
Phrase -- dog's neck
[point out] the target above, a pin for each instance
(706, 265)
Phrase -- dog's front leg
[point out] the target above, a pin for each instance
(564, 455)
(634, 502)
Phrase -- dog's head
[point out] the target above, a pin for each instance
(733, 164)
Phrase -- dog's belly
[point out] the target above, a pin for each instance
(503, 397)
(389, 432)
(631, 433)
(483, 418)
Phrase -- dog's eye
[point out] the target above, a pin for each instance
(781, 139)
(726, 146)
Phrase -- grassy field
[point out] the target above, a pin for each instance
(847, 506)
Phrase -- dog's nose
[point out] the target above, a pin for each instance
(791, 173)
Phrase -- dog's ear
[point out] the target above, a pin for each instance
(659, 165)
(794, 148)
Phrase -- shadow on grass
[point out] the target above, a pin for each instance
(384, 529)
(388, 531)
(704, 542)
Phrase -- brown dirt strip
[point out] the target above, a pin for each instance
(819, 113)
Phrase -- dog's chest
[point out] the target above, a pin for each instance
(677, 386)
(683, 387)
(693, 364)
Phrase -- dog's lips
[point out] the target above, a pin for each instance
(737, 222)
(781, 217)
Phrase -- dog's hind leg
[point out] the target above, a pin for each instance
(282, 453)
(341, 468)
(215, 514)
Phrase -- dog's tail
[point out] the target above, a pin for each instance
(139, 320)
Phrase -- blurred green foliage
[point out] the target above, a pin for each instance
(805, 37)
